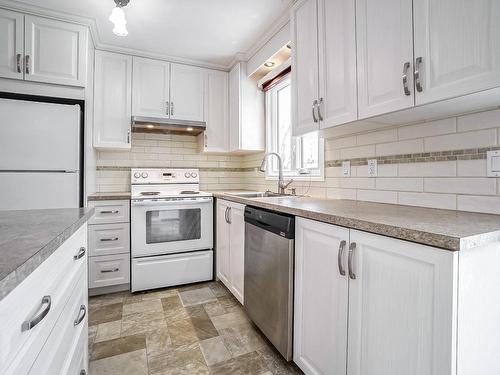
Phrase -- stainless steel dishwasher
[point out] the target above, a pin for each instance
(269, 262)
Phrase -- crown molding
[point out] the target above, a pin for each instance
(276, 26)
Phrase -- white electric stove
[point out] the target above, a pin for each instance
(171, 229)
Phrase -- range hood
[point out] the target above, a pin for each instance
(141, 124)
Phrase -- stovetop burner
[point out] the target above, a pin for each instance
(185, 192)
(150, 193)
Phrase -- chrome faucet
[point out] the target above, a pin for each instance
(282, 185)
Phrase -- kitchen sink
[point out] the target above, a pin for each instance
(267, 194)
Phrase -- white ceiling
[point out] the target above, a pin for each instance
(212, 31)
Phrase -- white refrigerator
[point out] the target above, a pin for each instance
(39, 155)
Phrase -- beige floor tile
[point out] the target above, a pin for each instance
(153, 305)
(107, 299)
(185, 360)
(197, 296)
(247, 364)
(143, 322)
(105, 314)
(108, 331)
(114, 347)
(158, 294)
(232, 319)
(214, 350)
(214, 309)
(201, 322)
(158, 342)
(218, 289)
(133, 363)
(241, 340)
(182, 333)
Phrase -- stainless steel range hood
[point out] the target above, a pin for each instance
(141, 124)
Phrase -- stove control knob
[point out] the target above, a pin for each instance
(187, 175)
(144, 175)
(137, 175)
(194, 174)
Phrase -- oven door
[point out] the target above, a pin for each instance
(167, 226)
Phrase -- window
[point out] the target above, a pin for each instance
(302, 156)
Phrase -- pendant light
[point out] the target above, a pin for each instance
(118, 18)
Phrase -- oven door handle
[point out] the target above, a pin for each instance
(184, 202)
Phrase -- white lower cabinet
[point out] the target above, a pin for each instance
(230, 246)
(369, 304)
(53, 298)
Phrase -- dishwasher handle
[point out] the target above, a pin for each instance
(281, 224)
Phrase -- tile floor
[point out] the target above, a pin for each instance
(193, 330)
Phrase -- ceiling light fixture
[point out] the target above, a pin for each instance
(150, 126)
(189, 129)
(118, 18)
(269, 64)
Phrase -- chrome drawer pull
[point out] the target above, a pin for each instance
(405, 78)
(80, 254)
(81, 315)
(315, 103)
(352, 275)
(109, 212)
(18, 62)
(109, 239)
(171, 108)
(418, 84)
(320, 104)
(109, 271)
(340, 256)
(83, 372)
(28, 324)
(27, 64)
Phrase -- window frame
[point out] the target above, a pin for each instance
(318, 174)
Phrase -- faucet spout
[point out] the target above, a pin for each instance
(282, 185)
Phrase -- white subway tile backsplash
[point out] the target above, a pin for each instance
(471, 168)
(333, 193)
(382, 136)
(400, 184)
(474, 139)
(444, 201)
(357, 152)
(357, 183)
(377, 196)
(337, 143)
(476, 121)
(429, 169)
(479, 204)
(401, 147)
(462, 185)
(428, 129)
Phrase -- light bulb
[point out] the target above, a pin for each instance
(118, 18)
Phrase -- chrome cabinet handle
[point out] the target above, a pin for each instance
(320, 104)
(18, 62)
(29, 324)
(110, 271)
(229, 215)
(206, 141)
(171, 108)
(405, 78)
(27, 64)
(418, 84)
(225, 215)
(352, 247)
(80, 254)
(128, 136)
(340, 256)
(167, 110)
(81, 315)
(109, 239)
(315, 103)
(83, 372)
(109, 212)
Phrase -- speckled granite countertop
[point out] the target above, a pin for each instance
(124, 195)
(446, 229)
(28, 237)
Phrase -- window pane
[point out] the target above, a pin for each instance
(284, 127)
(310, 151)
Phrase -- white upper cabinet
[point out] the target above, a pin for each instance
(112, 100)
(11, 44)
(402, 300)
(458, 44)
(216, 136)
(187, 93)
(337, 62)
(384, 55)
(151, 88)
(55, 51)
(246, 112)
(321, 298)
(305, 74)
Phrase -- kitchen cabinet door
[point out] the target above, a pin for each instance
(11, 44)
(401, 307)
(384, 54)
(458, 43)
(112, 100)
(305, 74)
(222, 243)
(216, 135)
(237, 249)
(187, 85)
(337, 62)
(321, 298)
(150, 89)
(55, 51)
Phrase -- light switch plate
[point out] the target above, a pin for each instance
(346, 168)
(493, 163)
(372, 167)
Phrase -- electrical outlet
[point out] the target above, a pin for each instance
(346, 168)
(372, 167)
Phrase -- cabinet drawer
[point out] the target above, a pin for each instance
(55, 356)
(109, 270)
(108, 212)
(56, 278)
(109, 239)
